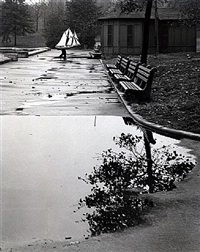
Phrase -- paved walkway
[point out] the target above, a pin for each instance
(45, 85)
(39, 86)
(173, 224)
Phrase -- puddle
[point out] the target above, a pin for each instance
(49, 99)
(42, 158)
(46, 100)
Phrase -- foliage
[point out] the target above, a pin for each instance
(137, 5)
(82, 17)
(191, 8)
(55, 23)
(112, 208)
(15, 19)
(132, 5)
(38, 10)
(108, 6)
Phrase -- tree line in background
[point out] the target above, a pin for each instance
(52, 17)
(15, 20)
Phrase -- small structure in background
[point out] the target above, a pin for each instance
(122, 33)
(96, 53)
(97, 46)
(68, 40)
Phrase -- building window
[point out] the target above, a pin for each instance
(110, 35)
(129, 35)
(165, 35)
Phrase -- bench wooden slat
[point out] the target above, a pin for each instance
(116, 65)
(133, 76)
(111, 66)
(130, 73)
(132, 69)
(122, 67)
(124, 63)
(142, 77)
(115, 71)
(129, 86)
(142, 72)
(141, 82)
(145, 69)
(119, 77)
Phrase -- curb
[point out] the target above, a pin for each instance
(139, 120)
(26, 54)
(39, 50)
(3, 61)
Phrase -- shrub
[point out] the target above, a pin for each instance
(112, 208)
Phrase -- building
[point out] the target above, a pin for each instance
(1, 3)
(123, 33)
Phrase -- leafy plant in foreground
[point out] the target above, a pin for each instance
(112, 208)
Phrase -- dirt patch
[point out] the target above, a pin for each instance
(175, 96)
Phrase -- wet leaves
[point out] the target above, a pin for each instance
(176, 83)
(68, 237)
(19, 109)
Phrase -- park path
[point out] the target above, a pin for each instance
(45, 85)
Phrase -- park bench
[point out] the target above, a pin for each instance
(141, 86)
(130, 74)
(122, 69)
(116, 65)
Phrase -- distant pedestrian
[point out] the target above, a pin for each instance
(63, 54)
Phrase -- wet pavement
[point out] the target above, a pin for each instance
(40, 185)
(44, 84)
(49, 153)
(42, 158)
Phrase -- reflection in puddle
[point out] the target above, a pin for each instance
(42, 158)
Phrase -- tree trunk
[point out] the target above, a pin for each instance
(148, 138)
(15, 37)
(145, 42)
(36, 25)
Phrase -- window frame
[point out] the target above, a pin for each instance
(110, 35)
(130, 35)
